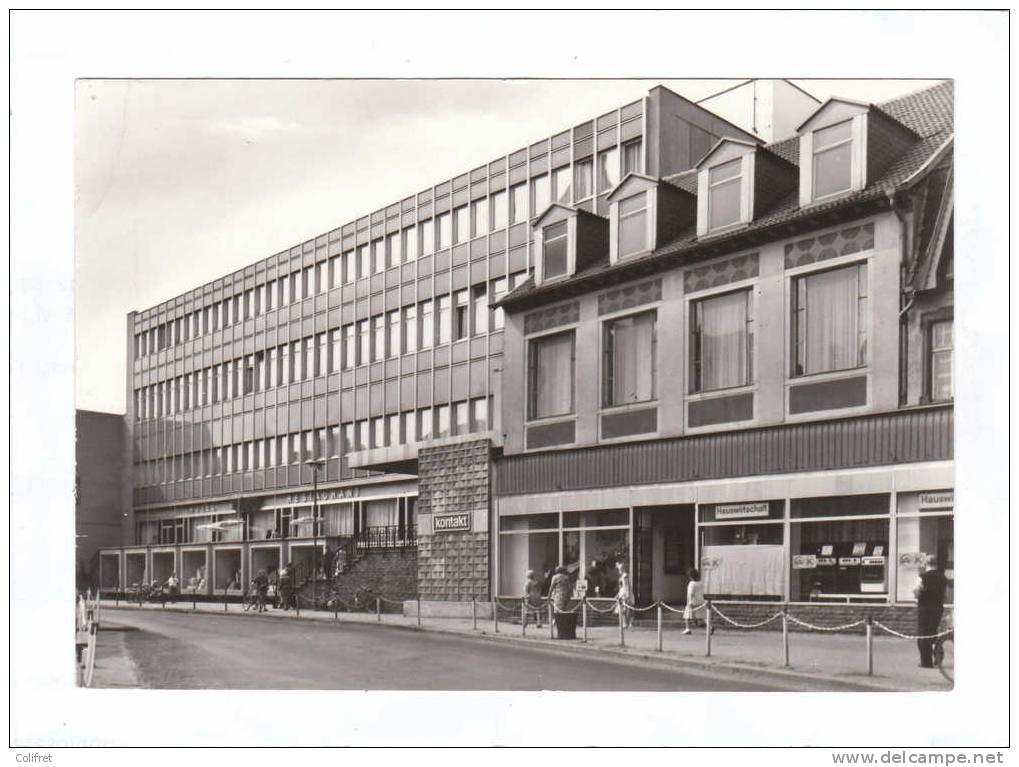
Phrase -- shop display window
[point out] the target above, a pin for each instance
(521, 552)
(743, 561)
(591, 557)
(919, 538)
(839, 559)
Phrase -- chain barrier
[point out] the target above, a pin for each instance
(642, 609)
(610, 609)
(731, 622)
(893, 632)
(812, 627)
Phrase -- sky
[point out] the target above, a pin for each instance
(178, 182)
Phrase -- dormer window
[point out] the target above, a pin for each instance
(833, 169)
(555, 251)
(633, 224)
(724, 194)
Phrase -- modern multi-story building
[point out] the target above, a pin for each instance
(377, 336)
(651, 339)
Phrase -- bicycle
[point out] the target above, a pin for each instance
(364, 600)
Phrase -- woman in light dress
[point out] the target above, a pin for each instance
(694, 597)
(624, 595)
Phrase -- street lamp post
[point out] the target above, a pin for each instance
(316, 465)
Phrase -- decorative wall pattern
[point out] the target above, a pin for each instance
(853, 239)
(632, 295)
(552, 317)
(721, 273)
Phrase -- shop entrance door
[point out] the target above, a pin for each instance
(663, 551)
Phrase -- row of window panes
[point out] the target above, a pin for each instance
(829, 331)
(489, 214)
(385, 335)
(465, 417)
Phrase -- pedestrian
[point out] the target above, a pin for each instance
(624, 596)
(560, 588)
(694, 597)
(173, 586)
(285, 587)
(261, 590)
(930, 604)
(532, 597)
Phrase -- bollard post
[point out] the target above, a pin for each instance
(474, 613)
(378, 609)
(622, 635)
(583, 610)
(659, 627)
(551, 617)
(495, 616)
(193, 602)
(336, 608)
(297, 604)
(707, 629)
(870, 647)
(224, 599)
(116, 598)
(785, 635)
(523, 618)
(419, 609)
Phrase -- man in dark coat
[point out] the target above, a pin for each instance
(930, 605)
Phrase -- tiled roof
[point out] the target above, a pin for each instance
(928, 113)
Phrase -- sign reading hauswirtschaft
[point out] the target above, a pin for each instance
(938, 500)
(451, 523)
(741, 510)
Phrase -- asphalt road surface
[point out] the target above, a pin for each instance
(175, 650)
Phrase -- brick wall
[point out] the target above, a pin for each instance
(454, 478)
(390, 574)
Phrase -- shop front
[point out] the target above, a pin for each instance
(847, 548)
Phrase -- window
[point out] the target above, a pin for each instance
(608, 169)
(479, 214)
(394, 250)
(554, 250)
(335, 350)
(583, 181)
(518, 203)
(427, 321)
(308, 367)
(363, 439)
(379, 337)
(286, 375)
(379, 255)
(335, 272)
(461, 225)
(499, 287)
(721, 342)
(633, 225)
(425, 423)
(322, 354)
(393, 333)
(379, 432)
(272, 368)
(541, 194)
(724, 194)
(393, 429)
(500, 210)
(630, 363)
(445, 231)
(632, 157)
(561, 185)
(461, 315)
(298, 284)
(550, 367)
(364, 261)
(270, 294)
(363, 343)
(941, 370)
(410, 243)
(348, 438)
(480, 413)
(833, 159)
(442, 421)
(409, 425)
(410, 335)
(829, 320)
(349, 267)
(260, 377)
(349, 347)
(461, 418)
(321, 276)
(284, 294)
(479, 310)
(443, 319)
(427, 237)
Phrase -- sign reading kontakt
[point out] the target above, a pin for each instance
(452, 523)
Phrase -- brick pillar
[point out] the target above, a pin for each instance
(454, 497)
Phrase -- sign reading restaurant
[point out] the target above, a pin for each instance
(452, 523)
(741, 510)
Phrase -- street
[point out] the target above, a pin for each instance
(193, 651)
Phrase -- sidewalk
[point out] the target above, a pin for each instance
(813, 657)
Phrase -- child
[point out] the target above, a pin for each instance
(694, 597)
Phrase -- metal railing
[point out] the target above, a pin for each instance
(390, 537)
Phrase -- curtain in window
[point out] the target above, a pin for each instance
(724, 341)
(743, 570)
(553, 377)
(382, 513)
(632, 340)
(831, 321)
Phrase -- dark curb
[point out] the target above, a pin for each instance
(842, 683)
